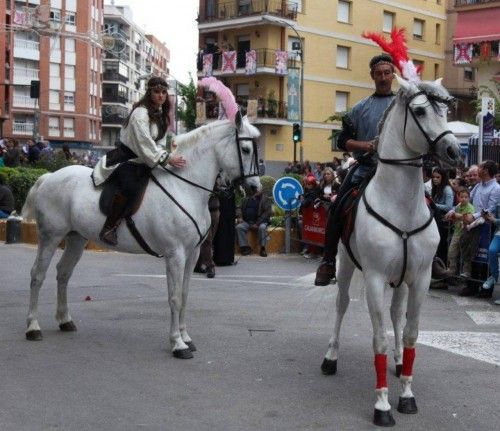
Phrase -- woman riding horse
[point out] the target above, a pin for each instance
(142, 147)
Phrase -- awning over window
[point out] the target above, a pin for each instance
(477, 26)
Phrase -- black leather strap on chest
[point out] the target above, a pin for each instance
(403, 234)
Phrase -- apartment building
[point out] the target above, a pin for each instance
(127, 65)
(472, 52)
(54, 45)
(317, 42)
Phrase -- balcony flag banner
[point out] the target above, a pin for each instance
(463, 53)
(281, 62)
(229, 61)
(19, 18)
(293, 95)
(251, 62)
(485, 52)
(208, 64)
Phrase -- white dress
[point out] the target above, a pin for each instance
(139, 137)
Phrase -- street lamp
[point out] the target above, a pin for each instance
(301, 92)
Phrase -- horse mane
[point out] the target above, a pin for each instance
(197, 140)
(384, 117)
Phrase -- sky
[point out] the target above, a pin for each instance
(172, 22)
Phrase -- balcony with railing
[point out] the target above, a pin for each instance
(114, 98)
(267, 109)
(228, 10)
(114, 115)
(22, 128)
(24, 76)
(27, 49)
(472, 3)
(265, 62)
(21, 101)
(112, 75)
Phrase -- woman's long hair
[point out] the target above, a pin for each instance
(438, 190)
(160, 118)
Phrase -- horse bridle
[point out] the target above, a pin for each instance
(432, 142)
(254, 167)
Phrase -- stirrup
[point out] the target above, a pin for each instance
(109, 236)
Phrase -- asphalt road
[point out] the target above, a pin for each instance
(261, 330)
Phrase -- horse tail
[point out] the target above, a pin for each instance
(28, 211)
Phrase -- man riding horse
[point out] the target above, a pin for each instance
(359, 129)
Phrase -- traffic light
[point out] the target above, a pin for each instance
(35, 89)
(297, 133)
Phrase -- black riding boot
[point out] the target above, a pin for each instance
(327, 268)
(108, 232)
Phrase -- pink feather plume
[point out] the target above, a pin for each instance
(398, 50)
(223, 93)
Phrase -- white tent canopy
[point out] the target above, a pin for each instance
(462, 130)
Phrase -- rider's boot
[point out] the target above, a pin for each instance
(108, 232)
(327, 268)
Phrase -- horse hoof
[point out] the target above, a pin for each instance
(399, 368)
(67, 327)
(408, 406)
(383, 418)
(35, 335)
(183, 354)
(329, 367)
(191, 346)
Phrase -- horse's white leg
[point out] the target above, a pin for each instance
(73, 249)
(188, 271)
(176, 262)
(416, 297)
(47, 245)
(375, 300)
(344, 275)
(397, 313)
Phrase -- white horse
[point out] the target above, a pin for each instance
(65, 205)
(395, 237)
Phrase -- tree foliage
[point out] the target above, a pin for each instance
(186, 111)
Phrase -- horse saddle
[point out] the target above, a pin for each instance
(135, 194)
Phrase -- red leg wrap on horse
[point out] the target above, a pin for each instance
(381, 369)
(408, 358)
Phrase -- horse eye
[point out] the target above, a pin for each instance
(419, 112)
(246, 150)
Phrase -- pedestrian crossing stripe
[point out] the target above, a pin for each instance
(482, 346)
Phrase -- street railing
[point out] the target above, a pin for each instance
(238, 9)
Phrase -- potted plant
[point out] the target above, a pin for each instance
(272, 104)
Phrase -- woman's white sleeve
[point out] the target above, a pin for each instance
(143, 144)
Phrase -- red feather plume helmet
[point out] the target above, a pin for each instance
(398, 50)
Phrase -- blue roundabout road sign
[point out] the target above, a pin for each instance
(286, 192)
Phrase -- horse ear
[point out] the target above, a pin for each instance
(403, 83)
(438, 81)
(238, 119)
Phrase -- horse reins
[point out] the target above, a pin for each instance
(137, 235)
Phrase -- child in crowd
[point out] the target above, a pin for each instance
(456, 215)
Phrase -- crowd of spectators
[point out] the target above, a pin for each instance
(463, 199)
(30, 153)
